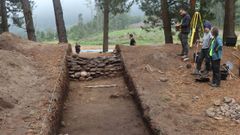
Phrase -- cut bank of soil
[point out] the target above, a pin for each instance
(176, 106)
(29, 72)
(101, 111)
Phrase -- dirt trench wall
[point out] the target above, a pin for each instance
(140, 104)
(52, 121)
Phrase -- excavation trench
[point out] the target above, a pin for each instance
(99, 102)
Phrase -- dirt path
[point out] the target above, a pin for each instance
(101, 111)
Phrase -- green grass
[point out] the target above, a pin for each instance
(122, 37)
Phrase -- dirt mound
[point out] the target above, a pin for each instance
(12, 42)
(28, 73)
(15, 72)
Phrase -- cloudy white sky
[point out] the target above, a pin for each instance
(43, 13)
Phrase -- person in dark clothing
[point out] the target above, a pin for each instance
(185, 30)
(132, 40)
(77, 48)
(204, 54)
(215, 53)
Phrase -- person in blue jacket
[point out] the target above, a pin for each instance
(215, 53)
(185, 30)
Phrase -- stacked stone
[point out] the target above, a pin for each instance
(85, 69)
(227, 108)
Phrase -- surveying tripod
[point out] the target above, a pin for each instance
(195, 22)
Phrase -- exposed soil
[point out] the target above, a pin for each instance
(33, 81)
(101, 111)
(172, 102)
(28, 72)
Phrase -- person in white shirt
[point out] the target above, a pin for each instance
(204, 54)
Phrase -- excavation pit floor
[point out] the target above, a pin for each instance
(101, 111)
(102, 106)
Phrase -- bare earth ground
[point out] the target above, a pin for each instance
(28, 72)
(171, 106)
(101, 111)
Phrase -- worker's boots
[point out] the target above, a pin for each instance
(205, 73)
(196, 72)
(185, 58)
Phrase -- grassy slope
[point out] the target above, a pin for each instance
(121, 37)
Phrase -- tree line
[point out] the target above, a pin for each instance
(13, 9)
(159, 13)
(84, 29)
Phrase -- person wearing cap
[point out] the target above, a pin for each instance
(215, 53)
(185, 30)
(204, 54)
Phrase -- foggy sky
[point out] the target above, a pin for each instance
(43, 12)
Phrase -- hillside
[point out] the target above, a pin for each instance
(121, 37)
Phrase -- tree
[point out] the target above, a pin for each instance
(105, 25)
(4, 23)
(14, 11)
(61, 30)
(115, 7)
(238, 14)
(154, 8)
(229, 21)
(166, 22)
(27, 11)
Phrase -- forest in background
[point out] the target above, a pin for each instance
(120, 21)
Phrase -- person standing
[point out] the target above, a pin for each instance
(77, 48)
(132, 40)
(215, 54)
(185, 30)
(204, 54)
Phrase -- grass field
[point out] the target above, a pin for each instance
(121, 37)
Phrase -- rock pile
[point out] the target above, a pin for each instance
(228, 108)
(85, 69)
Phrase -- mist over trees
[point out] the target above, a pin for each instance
(110, 15)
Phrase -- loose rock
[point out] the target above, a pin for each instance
(228, 109)
(163, 79)
(210, 112)
(217, 102)
(228, 100)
